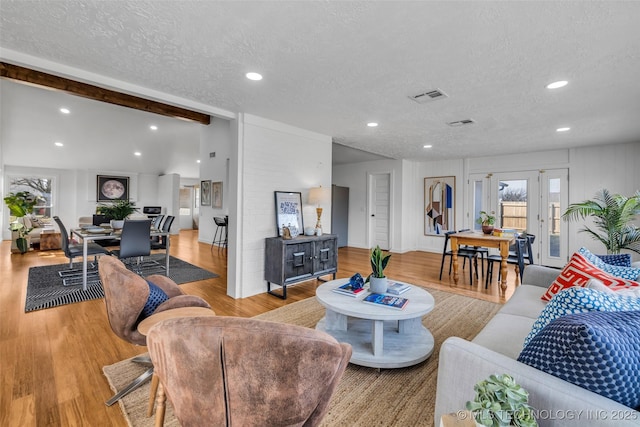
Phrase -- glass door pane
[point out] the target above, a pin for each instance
(554, 241)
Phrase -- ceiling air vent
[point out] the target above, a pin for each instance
(461, 122)
(432, 95)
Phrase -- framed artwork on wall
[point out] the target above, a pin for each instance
(205, 193)
(439, 205)
(216, 194)
(288, 210)
(112, 188)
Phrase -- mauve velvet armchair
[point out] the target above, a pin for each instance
(230, 371)
(126, 294)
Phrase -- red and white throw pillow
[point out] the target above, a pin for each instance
(578, 272)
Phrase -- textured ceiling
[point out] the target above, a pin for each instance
(333, 66)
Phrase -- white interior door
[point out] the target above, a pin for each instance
(379, 210)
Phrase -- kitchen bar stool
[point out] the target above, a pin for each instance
(220, 237)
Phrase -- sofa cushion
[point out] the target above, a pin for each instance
(615, 270)
(578, 272)
(504, 334)
(525, 301)
(596, 351)
(621, 260)
(581, 300)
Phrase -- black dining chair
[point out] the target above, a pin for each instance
(472, 256)
(520, 251)
(72, 251)
(135, 241)
(482, 252)
(166, 227)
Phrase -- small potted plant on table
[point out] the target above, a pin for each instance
(118, 212)
(377, 280)
(487, 221)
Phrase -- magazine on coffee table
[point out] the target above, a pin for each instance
(381, 300)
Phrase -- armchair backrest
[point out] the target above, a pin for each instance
(125, 294)
(212, 377)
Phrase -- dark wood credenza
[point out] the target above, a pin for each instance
(299, 259)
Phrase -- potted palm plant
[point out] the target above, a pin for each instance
(377, 279)
(20, 204)
(612, 215)
(117, 212)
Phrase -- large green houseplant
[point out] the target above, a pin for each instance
(20, 204)
(117, 211)
(612, 215)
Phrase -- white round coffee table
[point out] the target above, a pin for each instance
(381, 337)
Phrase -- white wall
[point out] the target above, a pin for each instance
(215, 138)
(169, 198)
(270, 157)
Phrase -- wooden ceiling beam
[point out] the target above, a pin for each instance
(49, 81)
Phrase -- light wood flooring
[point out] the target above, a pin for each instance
(51, 360)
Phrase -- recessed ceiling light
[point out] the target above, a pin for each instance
(198, 161)
(254, 76)
(58, 144)
(428, 146)
(558, 84)
(563, 129)
(64, 110)
(153, 127)
(372, 124)
(137, 153)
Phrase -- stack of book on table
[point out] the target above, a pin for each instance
(348, 289)
(396, 288)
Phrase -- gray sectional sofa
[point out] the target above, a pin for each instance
(495, 351)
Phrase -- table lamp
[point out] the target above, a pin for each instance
(317, 196)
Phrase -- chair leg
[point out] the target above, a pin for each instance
(161, 407)
(441, 267)
(152, 394)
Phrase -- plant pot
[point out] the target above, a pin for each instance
(22, 244)
(487, 229)
(378, 285)
(117, 224)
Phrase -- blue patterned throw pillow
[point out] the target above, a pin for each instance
(629, 273)
(580, 300)
(156, 297)
(597, 351)
(621, 260)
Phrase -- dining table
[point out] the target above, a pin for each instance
(91, 235)
(473, 238)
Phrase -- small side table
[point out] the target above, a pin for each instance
(50, 240)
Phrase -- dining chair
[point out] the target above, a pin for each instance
(72, 251)
(166, 227)
(519, 251)
(156, 222)
(472, 256)
(135, 241)
(482, 252)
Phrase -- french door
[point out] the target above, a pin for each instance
(530, 201)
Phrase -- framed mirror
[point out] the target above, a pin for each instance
(288, 210)
(439, 205)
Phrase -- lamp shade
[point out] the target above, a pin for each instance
(318, 196)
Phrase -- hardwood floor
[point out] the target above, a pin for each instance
(51, 360)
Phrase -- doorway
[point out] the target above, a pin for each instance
(379, 210)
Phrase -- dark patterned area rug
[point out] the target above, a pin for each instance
(45, 287)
